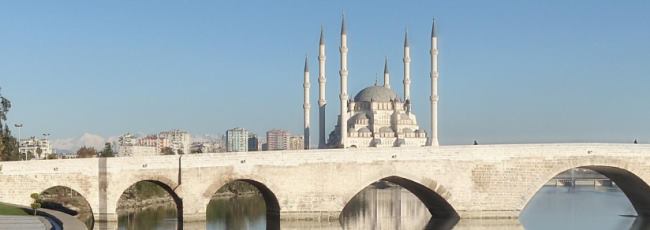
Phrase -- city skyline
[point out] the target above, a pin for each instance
(509, 73)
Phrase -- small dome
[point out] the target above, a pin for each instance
(385, 130)
(377, 94)
(359, 116)
(364, 130)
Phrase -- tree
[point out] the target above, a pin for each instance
(52, 156)
(39, 151)
(86, 152)
(198, 150)
(108, 151)
(5, 105)
(10, 149)
(167, 151)
(8, 144)
(37, 201)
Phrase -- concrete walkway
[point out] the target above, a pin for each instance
(24, 223)
(68, 222)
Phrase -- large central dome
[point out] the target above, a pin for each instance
(376, 94)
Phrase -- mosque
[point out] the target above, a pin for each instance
(376, 116)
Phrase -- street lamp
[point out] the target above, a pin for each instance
(19, 126)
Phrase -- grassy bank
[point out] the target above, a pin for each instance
(11, 210)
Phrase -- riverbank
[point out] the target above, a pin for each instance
(146, 195)
(6, 209)
(132, 205)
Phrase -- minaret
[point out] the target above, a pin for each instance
(407, 68)
(344, 84)
(321, 91)
(386, 75)
(434, 86)
(306, 106)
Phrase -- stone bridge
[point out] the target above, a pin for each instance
(478, 181)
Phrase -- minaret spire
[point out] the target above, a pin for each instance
(306, 106)
(433, 28)
(321, 41)
(321, 90)
(386, 74)
(344, 29)
(434, 86)
(407, 68)
(344, 84)
(306, 64)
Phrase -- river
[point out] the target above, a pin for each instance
(580, 207)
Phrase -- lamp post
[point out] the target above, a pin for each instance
(19, 126)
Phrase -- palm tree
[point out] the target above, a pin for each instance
(39, 151)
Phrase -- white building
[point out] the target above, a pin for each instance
(32, 145)
(237, 140)
(178, 140)
(131, 145)
(295, 143)
(376, 116)
(138, 150)
(277, 139)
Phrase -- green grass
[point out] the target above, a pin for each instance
(11, 210)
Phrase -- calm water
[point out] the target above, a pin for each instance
(395, 208)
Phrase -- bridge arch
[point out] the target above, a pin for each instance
(166, 185)
(65, 199)
(270, 199)
(635, 188)
(433, 195)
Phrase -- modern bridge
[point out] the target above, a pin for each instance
(476, 181)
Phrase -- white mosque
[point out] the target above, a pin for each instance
(376, 116)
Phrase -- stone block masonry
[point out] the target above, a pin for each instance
(478, 181)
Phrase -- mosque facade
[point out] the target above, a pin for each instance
(376, 116)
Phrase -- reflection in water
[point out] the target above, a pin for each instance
(388, 208)
(158, 218)
(581, 207)
(238, 212)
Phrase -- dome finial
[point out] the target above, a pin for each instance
(376, 79)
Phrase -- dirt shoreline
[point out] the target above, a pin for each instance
(132, 205)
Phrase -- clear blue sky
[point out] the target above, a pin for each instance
(511, 71)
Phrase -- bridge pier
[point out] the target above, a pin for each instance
(105, 221)
(194, 225)
(488, 214)
(193, 217)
